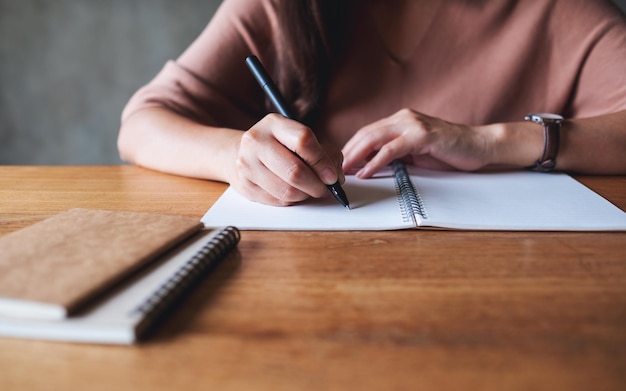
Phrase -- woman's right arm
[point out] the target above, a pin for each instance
(160, 139)
(259, 163)
(189, 119)
(203, 116)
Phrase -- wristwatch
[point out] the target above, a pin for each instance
(551, 135)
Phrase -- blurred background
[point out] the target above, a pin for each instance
(68, 67)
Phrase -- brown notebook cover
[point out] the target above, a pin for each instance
(52, 268)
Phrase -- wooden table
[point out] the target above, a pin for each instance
(411, 310)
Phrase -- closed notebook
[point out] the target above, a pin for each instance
(102, 276)
(50, 269)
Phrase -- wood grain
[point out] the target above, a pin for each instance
(334, 311)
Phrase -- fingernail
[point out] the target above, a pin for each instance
(329, 176)
(361, 173)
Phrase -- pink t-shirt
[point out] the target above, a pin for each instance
(476, 62)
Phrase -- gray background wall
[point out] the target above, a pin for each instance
(67, 68)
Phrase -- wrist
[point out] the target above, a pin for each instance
(229, 155)
(514, 144)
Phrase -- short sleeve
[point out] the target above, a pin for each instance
(209, 82)
(600, 86)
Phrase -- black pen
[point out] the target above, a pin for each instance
(266, 83)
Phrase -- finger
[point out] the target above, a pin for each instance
(296, 178)
(337, 157)
(259, 181)
(361, 138)
(271, 148)
(365, 144)
(256, 193)
(394, 149)
(301, 140)
(263, 185)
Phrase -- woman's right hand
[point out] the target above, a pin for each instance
(280, 162)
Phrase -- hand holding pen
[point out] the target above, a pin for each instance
(299, 141)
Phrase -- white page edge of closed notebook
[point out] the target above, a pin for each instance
(31, 309)
(115, 319)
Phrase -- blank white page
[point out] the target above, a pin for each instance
(520, 200)
(373, 202)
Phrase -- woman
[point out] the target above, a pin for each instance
(440, 84)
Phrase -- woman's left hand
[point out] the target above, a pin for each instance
(417, 139)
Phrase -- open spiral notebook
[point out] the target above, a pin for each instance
(404, 197)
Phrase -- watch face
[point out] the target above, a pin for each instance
(544, 117)
(549, 116)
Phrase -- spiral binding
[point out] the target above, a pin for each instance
(212, 252)
(410, 201)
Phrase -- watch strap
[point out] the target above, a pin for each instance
(551, 137)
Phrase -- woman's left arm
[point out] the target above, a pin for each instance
(590, 146)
